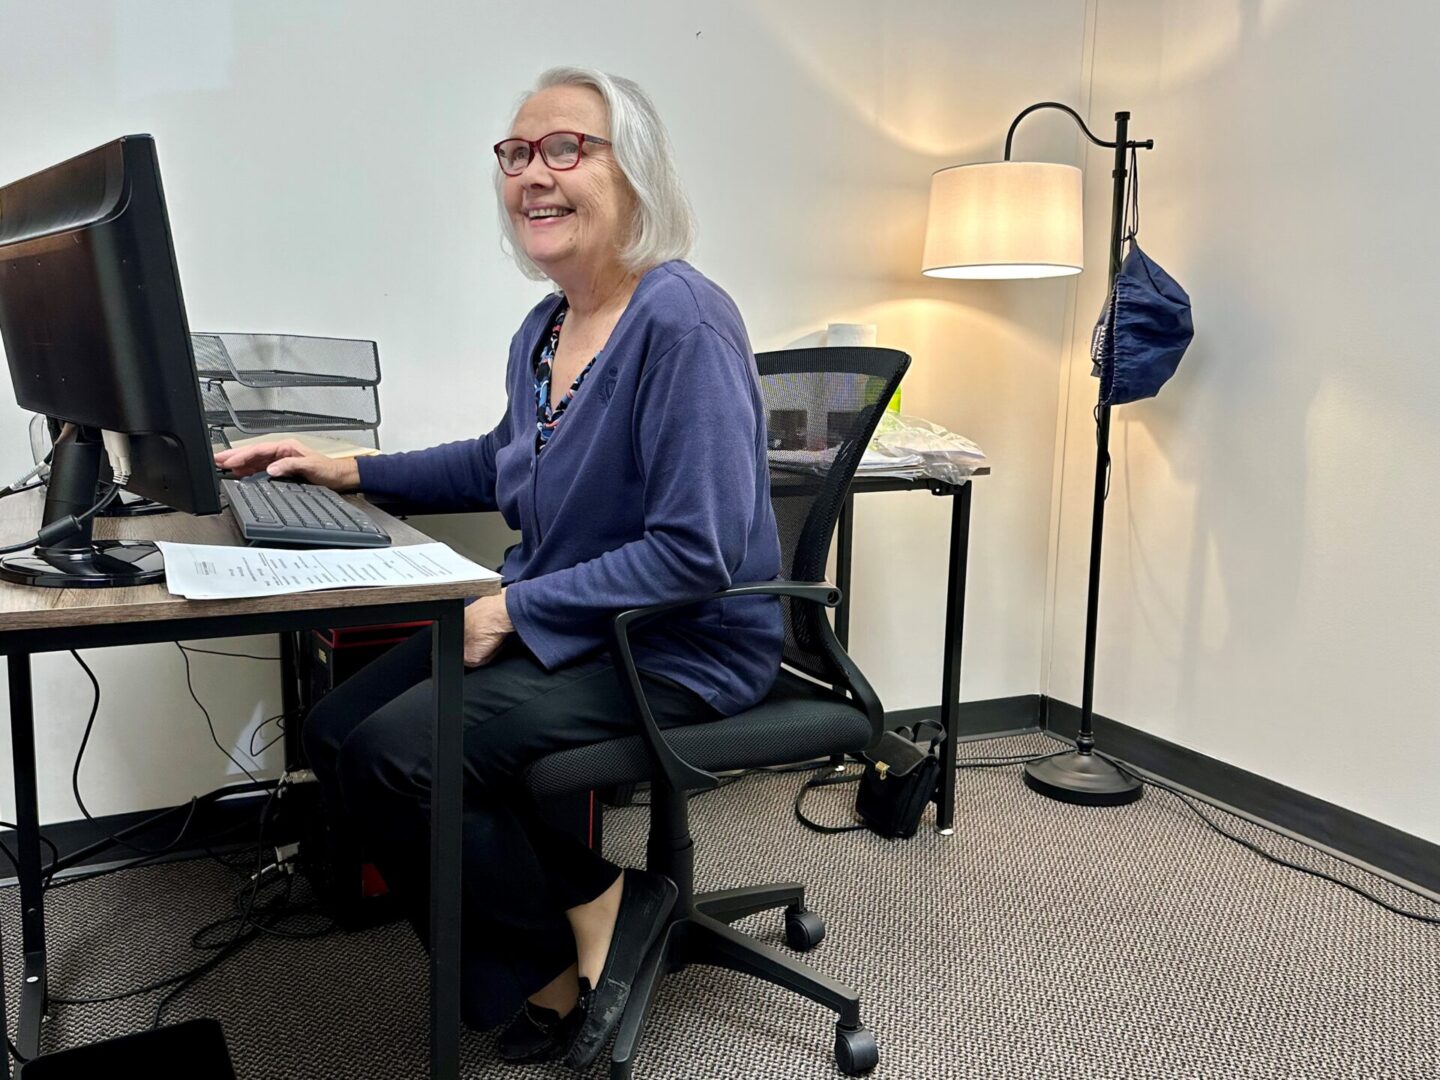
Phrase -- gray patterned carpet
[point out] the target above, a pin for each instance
(1041, 940)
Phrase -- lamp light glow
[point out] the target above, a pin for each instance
(1005, 219)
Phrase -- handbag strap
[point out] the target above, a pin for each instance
(938, 738)
(916, 734)
(824, 778)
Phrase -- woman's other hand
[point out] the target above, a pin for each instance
(289, 457)
(487, 625)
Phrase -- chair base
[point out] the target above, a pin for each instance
(700, 934)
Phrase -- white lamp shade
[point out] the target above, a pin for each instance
(1005, 219)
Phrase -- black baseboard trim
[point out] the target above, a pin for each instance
(1368, 841)
(993, 716)
(1364, 839)
(233, 823)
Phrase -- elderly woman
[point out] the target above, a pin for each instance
(631, 458)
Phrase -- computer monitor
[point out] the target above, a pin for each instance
(94, 329)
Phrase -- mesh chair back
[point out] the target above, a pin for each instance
(821, 408)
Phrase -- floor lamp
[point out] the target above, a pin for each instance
(1024, 219)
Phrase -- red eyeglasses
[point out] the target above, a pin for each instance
(560, 150)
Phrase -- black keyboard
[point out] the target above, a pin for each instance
(300, 515)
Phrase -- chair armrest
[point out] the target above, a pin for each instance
(820, 592)
(680, 774)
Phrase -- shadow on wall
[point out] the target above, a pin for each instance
(1232, 433)
(873, 103)
(1200, 40)
(1230, 430)
(924, 102)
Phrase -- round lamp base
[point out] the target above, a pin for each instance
(1083, 779)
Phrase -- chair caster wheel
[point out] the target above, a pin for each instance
(803, 929)
(855, 1050)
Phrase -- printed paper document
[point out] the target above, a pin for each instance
(213, 572)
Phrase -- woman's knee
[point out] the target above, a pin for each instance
(325, 729)
(386, 754)
(341, 711)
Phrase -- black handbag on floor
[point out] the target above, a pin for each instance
(900, 777)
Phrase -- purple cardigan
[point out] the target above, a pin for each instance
(653, 488)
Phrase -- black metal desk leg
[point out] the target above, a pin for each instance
(4, 1017)
(844, 546)
(447, 669)
(954, 642)
(291, 697)
(27, 838)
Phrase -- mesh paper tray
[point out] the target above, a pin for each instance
(267, 410)
(223, 436)
(262, 361)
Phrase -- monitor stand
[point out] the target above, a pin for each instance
(135, 508)
(81, 562)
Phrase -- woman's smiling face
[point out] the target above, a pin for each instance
(572, 220)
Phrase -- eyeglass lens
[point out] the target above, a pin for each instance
(561, 150)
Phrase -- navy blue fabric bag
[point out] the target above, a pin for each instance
(1142, 333)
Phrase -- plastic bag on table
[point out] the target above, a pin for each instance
(913, 445)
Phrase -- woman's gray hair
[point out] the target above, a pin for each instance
(664, 224)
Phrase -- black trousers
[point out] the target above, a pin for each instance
(368, 741)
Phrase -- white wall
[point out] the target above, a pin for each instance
(1270, 577)
(328, 172)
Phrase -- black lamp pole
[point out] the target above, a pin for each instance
(1083, 777)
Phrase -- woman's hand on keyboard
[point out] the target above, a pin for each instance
(288, 457)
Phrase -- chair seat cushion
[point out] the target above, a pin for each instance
(798, 720)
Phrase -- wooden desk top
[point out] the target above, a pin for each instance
(29, 607)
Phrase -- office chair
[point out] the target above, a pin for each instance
(823, 406)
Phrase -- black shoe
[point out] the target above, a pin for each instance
(645, 902)
(536, 1034)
